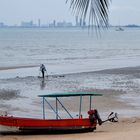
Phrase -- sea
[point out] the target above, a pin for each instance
(65, 51)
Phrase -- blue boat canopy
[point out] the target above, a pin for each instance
(70, 94)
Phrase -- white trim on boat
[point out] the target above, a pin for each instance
(4, 128)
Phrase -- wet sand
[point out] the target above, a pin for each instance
(18, 67)
(114, 84)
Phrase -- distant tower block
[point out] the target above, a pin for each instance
(80, 22)
(54, 23)
(39, 22)
(76, 18)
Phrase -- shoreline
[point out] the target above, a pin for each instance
(31, 69)
(106, 70)
(17, 67)
(115, 84)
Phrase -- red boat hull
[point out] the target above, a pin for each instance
(15, 124)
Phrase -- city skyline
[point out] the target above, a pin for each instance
(38, 23)
(15, 11)
(54, 23)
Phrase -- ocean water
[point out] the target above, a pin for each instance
(69, 50)
(66, 51)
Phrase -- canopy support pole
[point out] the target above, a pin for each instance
(80, 108)
(90, 104)
(52, 108)
(43, 109)
(64, 108)
(56, 109)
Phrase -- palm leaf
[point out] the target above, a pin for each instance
(96, 10)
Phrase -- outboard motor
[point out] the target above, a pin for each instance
(112, 117)
(94, 116)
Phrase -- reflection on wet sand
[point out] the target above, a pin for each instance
(42, 84)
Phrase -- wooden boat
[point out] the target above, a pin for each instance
(44, 125)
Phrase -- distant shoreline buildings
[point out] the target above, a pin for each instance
(55, 24)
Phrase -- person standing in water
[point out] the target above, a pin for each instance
(42, 69)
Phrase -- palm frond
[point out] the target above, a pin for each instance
(96, 10)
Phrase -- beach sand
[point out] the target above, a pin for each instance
(113, 84)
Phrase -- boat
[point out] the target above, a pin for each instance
(78, 123)
(119, 29)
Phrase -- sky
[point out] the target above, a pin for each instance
(12, 12)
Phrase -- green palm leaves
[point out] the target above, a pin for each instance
(96, 10)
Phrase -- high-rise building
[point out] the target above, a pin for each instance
(80, 22)
(54, 23)
(76, 18)
(1, 24)
(27, 24)
(84, 23)
(39, 23)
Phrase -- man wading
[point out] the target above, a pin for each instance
(42, 69)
